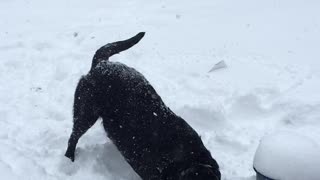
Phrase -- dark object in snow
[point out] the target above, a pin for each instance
(36, 89)
(156, 142)
(261, 176)
(219, 65)
(287, 155)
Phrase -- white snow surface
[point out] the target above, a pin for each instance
(271, 84)
(288, 156)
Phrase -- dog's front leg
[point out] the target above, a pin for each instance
(85, 114)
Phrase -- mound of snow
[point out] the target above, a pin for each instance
(288, 156)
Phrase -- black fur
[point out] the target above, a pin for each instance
(158, 144)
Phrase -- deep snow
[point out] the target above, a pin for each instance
(271, 82)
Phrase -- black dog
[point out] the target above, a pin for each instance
(158, 144)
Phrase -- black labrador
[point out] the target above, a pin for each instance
(158, 144)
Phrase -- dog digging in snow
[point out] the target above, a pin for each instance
(158, 144)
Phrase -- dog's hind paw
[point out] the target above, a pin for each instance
(70, 156)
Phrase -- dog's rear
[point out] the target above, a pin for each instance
(157, 143)
(85, 108)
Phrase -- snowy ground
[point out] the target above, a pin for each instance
(272, 82)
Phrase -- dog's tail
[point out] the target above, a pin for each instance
(114, 48)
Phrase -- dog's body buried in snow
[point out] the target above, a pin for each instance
(158, 144)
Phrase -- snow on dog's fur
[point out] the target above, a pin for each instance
(156, 142)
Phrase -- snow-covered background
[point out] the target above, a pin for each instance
(272, 81)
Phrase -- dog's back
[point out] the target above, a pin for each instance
(148, 134)
(157, 143)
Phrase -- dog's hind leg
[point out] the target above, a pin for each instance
(85, 114)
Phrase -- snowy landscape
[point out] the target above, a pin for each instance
(270, 82)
